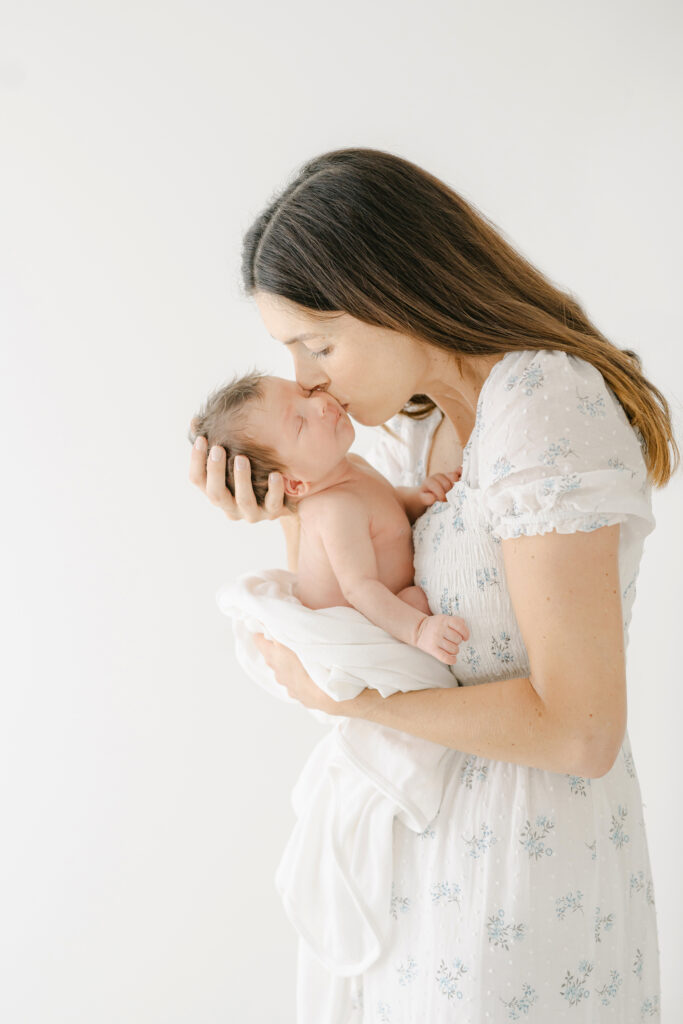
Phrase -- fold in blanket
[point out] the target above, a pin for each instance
(334, 875)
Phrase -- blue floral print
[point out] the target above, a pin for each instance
(578, 785)
(560, 449)
(384, 1011)
(617, 833)
(471, 658)
(574, 985)
(602, 922)
(533, 837)
(561, 484)
(399, 904)
(519, 1006)
(502, 934)
(554, 867)
(616, 463)
(650, 1007)
(487, 578)
(638, 884)
(449, 977)
(449, 603)
(591, 406)
(569, 904)
(502, 467)
(473, 769)
(407, 972)
(445, 892)
(610, 988)
(529, 380)
(500, 647)
(479, 844)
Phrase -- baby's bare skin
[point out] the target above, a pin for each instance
(355, 545)
(356, 549)
(389, 530)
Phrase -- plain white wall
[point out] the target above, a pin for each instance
(145, 780)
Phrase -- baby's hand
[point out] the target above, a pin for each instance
(441, 635)
(436, 487)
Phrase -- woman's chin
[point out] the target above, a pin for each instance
(367, 419)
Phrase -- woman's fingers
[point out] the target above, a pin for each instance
(216, 490)
(244, 492)
(274, 498)
(209, 476)
(198, 463)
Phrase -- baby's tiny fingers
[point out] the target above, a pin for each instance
(458, 626)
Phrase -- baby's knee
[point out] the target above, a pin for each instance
(416, 598)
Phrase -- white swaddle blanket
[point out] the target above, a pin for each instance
(333, 876)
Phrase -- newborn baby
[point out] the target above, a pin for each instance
(355, 546)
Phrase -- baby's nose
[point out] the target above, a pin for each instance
(322, 401)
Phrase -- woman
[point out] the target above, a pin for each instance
(530, 894)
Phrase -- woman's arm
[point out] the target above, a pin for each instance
(569, 714)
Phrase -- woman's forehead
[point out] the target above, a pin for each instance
(285, 320)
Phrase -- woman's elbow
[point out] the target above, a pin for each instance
(598, 752)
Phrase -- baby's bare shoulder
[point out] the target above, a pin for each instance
(333, 503)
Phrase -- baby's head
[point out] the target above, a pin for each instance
(279, 426)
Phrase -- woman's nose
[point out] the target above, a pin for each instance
(309, 377)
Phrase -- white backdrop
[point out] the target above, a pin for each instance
(145, 781)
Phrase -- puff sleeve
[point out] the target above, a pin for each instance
(554, 449)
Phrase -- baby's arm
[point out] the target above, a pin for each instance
(344, 527)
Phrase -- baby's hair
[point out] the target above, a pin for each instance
(222, 421)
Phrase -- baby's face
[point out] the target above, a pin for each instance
(311, 432)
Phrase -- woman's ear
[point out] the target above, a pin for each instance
(295, 488)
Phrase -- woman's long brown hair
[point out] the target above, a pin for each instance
(370, 234)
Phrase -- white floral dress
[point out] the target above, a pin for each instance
(529, 897)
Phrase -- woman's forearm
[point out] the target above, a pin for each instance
(505, 720)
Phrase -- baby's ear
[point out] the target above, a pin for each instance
(295, 488)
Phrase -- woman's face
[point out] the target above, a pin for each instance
(371, 371)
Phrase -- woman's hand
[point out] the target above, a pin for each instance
(209, 477)
(290, 673)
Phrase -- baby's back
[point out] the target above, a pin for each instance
(390, 533)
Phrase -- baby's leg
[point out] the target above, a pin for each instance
(416, 597)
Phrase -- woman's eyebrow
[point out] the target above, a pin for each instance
(300, 337)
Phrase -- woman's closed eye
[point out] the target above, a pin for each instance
(322, 352)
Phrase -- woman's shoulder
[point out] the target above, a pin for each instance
(552, 441)
(527, 373)
(534, 387)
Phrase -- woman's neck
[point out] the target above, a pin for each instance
(456, 393)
